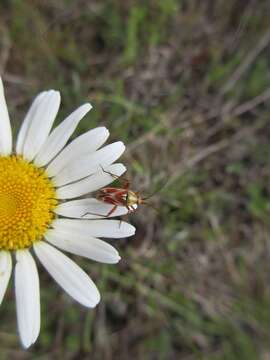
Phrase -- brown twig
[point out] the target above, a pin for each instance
(202, 154)
(248, 61)
(251, 104)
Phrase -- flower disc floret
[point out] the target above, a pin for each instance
(27, 201)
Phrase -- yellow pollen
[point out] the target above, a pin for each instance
(27, 201)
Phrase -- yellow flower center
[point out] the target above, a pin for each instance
(27, 201)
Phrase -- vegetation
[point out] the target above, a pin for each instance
(186, 85)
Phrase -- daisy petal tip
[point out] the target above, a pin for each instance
(88, 106)
(56, 94)
(92, 303)
(115, 260)
(53, 91)
(132, 229)
(26, 344)
(97, 300)
(121, 144)
(104, 130)
(26, 341)
(122, 168)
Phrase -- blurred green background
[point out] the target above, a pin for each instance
(186, 85)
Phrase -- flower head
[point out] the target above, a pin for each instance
(41, 182)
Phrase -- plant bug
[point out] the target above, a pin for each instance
(120, 196)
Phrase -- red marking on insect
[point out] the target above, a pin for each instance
(121, 196)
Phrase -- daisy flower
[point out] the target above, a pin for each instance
(41, 182)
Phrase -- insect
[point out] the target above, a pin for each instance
(120, 196)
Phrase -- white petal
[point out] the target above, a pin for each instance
(27, 122)
(91, 248)
(84, 144)
(91, 183)
(41, 123)
(5, 272)
(89, 164)
(88, 209)
(67, 274)
(60, 135)
(5, 129)
(27, 297)
(96, 228)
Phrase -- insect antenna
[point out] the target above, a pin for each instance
(152, 206)
(156, 191)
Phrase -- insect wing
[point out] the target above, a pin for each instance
(113, 196)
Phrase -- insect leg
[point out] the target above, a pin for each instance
(108, 172)
(124, 216)
(104, 216)
(129, 209)
(90, 213)
(124, 181)
(112, 211)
